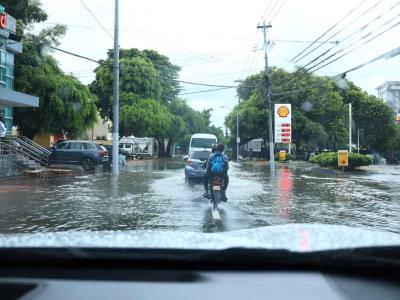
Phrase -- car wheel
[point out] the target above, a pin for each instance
(87, 164)
(139, 156)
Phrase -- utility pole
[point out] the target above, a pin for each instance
(268, 96)
(237, 127)
(358, 139)
(115, 148)
(349, 127)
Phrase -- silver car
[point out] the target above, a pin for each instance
(195, 164)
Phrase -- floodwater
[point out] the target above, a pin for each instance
(154, 195)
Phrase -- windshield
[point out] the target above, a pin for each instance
(202, 143)
(302, 99)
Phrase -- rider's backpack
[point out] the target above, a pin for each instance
(218, 163)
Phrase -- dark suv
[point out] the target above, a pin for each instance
(84, 153)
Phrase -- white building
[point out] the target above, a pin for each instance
(390, 92)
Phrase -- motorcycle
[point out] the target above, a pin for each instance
(216, 185)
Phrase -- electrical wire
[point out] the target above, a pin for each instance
(205, 91)
(327, 31)
(265, 12)
(353, 34)
(339, 31)
(278, 11)
(388, 55)
(353, 49)
(97, 20)
(272, 9)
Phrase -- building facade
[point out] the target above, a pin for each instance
(10, 45)
(389, 91)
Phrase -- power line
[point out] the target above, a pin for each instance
(338, 32)
(205, 84)
(278, 11)
(387, 55)
(265, 12)
(327, 31)
(351, 35)
(74, 54)
(206, 91)
(353, 49)
(97, 20)
(272, 9)
(171, 79)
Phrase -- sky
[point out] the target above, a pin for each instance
(217, 41)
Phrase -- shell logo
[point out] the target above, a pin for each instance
(283, 111)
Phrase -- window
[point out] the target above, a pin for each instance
(89, 146)
(62, 145)
(203, 143)
(202, 155)
(75, 146)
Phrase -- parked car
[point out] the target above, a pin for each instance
(84, 153)
(121, 151)
(195, 164)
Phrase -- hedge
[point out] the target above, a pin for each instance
(330, 159)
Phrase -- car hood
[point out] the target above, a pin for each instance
(293, 237)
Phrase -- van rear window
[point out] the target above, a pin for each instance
(203, 143)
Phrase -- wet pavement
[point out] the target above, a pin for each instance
(154, 195)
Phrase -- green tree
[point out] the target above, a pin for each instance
(65, 105)
(146, 74)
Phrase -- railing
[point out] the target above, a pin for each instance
(26, 148)
(35, 145)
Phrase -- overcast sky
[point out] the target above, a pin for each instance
(216, 41)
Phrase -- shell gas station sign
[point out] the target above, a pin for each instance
(283, 123)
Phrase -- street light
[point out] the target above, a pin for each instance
(237, 126)
(358, 139)
(346, 87)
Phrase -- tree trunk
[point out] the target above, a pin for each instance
(161, 148)
(169, 148)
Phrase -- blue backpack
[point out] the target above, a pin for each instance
(218, 164)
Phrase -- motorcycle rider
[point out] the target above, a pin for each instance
(217, 150)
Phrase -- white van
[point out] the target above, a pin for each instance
(202, 142)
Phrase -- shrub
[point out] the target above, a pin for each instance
(330, 159)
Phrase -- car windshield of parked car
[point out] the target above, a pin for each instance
(301, 97)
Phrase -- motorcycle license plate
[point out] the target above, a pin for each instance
(216, 188)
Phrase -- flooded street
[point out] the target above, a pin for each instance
(154, 195)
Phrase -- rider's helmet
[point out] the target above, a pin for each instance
(219, 147)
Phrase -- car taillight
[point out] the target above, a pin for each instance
(102, 153)
(189, 162)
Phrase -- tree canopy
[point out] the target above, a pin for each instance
(65, 105)
(149, 102)
(320, 111)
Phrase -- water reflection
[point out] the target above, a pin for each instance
(285, 185)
